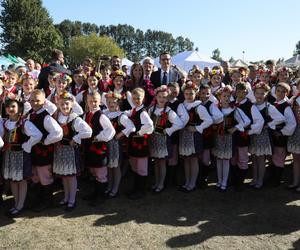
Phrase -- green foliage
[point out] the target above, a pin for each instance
(92, 46)
(27, 29)
(136, 43)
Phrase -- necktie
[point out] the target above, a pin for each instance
(164, 80)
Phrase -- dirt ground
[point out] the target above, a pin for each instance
(204, 219)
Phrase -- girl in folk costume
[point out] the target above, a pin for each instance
(19, 137)
(293, 145)
(242, 139)
(66, 163)
(191, 137)
(42, 153)
(123, 126)
(118, 81)
(173, 104)
(61, 85)
(92, 81)
(10, 89)
(78, 83)
(234, 120)
(205, 96)
(28, 85)
(216, 80)
(1, 180)
(95, 148)
(280, 134)
(139, 143)
(196, 76)
(260, 144)
(166, 122)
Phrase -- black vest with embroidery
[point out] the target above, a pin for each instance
(160, 122)
(38, 121)
(68, 132)
(14, 138)
(194, 119)
(117, 124)
(280, 140)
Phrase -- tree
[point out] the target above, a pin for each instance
(27, 29)
(297, 50)
(231, 60)
(93, 47)
(216, 55)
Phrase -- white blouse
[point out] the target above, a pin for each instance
(30, 130)
(239, 116)
(82, 129)
(172, 117)
(216, 114)
(124, 120)
(147, 123)
(276, 116)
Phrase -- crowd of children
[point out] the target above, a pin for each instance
(105, 121)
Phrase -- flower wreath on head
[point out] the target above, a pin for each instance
(28, 75)
(284, 69)
(66, 78)
(215, 72)
(261, 85)
(66, 96)
(190, 85)
(96, 74)
(113, 95)
(264, 71)
(162, 88)
(118, 73)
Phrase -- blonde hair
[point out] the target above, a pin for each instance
(38, 92)
(138, 92)
(284, 85)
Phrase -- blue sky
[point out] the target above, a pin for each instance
(263, 29)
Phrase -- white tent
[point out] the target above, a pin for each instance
(239, 63)
(187, 59)
(293, 61)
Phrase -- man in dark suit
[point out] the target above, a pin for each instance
(165, 74)
(56, 65)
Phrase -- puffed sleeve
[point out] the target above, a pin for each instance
(103, 99)
(183, 114)
(79, 97)
(54, 130)
(83, 130)
(258, 121)
(216, 113)
(34, 134)
(205, 117)
(50, 107)
(276, 116)
(129, 99)
(290, 122)
(77, 109)
(175, 121)
(1, 142)
(127, 124)
(242, 119)
(108, 131)
(27, 108)
(147, 124)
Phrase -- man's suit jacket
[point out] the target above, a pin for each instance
(156, 78)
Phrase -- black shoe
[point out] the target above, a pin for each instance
(13, 213)
(70, 207)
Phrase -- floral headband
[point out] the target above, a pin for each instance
(96, 74)
(264, 71)
(190, 85)
(66, 96)
(118, 73)
(284, 69)
(162, 88)
(113, 95)
(28, 75)
(215, 72)
(65, 78)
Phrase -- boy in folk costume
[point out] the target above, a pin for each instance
(42, 153)
(139, 143)
(95, 148)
